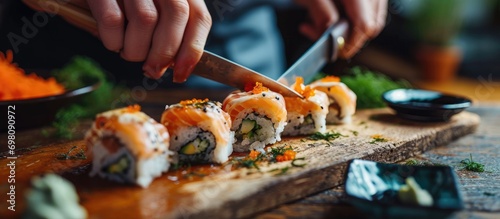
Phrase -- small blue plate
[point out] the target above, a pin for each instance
(424, 105)
(373, 187)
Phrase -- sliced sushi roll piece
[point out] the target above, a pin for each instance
(258, 117)
(306, 115)
(342, 99)
(128, 146)
(200, 131)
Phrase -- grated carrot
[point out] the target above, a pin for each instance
(16, 85)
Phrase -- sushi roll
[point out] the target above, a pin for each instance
(306, 115)
(258, 117)
(342, 99)
(200, 131)
(128, 146)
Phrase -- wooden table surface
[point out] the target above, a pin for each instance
(481, 191)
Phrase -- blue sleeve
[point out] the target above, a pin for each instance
(249, 37)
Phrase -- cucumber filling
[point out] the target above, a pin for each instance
(248, 128)
(308, 120)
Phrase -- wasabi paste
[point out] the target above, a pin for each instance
(53, 197)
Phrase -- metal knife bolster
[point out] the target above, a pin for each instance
(325, 49)
(337, 34)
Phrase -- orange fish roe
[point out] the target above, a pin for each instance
(133, 108)
(253, 154)
(287, 155)
(259, 88)
(305, 91)
(15, 84)
(377, 136)
(256, 89)
(193, 101)
(330, 78)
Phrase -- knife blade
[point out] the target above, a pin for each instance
(217, 68)
(324, 50)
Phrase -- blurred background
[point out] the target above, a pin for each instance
(447, 45)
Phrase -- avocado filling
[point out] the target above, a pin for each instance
(119, 167)
(194, 147)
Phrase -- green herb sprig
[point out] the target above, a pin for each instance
(413, 162)
(471, 165)
(80, 72)
(377, 139)
(369, 87)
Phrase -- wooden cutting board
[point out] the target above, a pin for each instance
(226, 193)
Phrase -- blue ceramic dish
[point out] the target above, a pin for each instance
(424, 105)
(372, 187)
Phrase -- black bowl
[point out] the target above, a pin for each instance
(373, 187)
(424, 105)
(36, 112)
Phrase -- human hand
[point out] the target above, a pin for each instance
(160, 33)
(366, 19)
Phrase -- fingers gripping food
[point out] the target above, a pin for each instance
(128, 146)
(200, 131)
(342, 100)
(258, 116)
(306, 115)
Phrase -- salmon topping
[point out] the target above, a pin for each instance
(330, 78)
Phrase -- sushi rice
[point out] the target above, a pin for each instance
(128, 146)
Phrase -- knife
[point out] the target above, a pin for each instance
(217, 68)
(324, 50)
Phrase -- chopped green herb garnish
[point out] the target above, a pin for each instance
(413, 162)
(79, 155)
(378, 138)
(274, 154)
(471, 165)
(249, 164)
(329, 136)
(355, 133)
(281, 171)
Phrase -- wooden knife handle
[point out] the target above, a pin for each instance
(75, 12)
